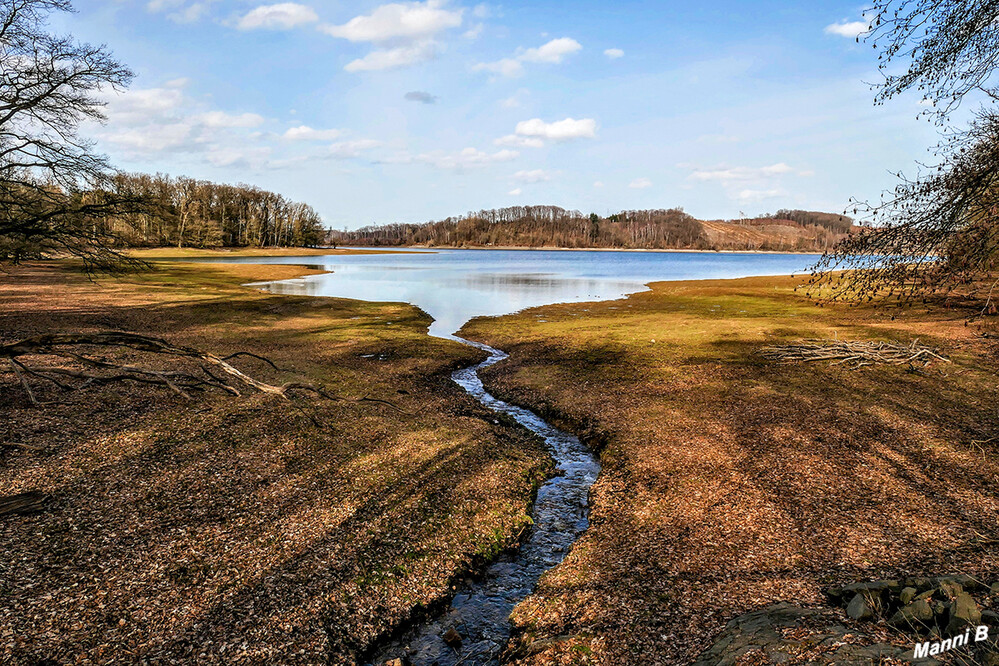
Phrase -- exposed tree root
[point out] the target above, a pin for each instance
(81, 365)
(856, 354)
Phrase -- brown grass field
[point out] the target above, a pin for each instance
(234, 530)
(237, 531)
(730, 483)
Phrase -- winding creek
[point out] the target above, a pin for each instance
(454, 286)
(480, 613)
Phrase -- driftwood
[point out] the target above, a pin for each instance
(23, 503)
(86, 368)
(856, 354)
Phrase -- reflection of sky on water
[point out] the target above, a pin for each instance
(453, 286)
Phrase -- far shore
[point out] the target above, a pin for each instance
(400, 248)
(163, 253)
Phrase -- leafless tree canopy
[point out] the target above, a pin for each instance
(933, 234)
(939, 231)
(948, 47)
(199, 213)
(52, 183)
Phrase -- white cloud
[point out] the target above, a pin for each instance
(282, 16)
(516, 192)
(306, 133)
(614, 54)
(533, 176)
(755, 196)
(561, 130)
(238, 156)
(507, 67)
(850, 29)
(640, 183)
(515, 141)
(145, 123)
(553, 52)
(400, 56)
(405, 21)
(351, 149)
(598, 183)
(183, 11)
(223, 119)
(404, 32)
(469, 157)
(741, 173)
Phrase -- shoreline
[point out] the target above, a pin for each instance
(402, 248)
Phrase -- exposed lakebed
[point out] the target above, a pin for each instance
(454, 286)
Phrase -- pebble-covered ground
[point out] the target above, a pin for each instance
(234, 530)
(730, 483)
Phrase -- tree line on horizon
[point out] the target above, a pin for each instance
(552, 226)
(186, 212)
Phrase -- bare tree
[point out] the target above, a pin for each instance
(933, 234)
(53, 186)
(947, 47)
(939, 231)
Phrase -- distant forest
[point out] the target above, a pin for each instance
(551, 226)
(185, 212)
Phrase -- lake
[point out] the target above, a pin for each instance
(454, 286)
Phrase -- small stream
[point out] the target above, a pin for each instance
(481, 613)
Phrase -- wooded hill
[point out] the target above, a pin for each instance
(551, 226)
(196, 213)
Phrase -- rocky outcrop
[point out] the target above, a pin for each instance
(785, 634)
(907, 612)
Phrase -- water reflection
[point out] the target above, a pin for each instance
(453, 286)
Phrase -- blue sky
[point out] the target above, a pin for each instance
(380, 112)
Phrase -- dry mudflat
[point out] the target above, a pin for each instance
(249, 530)
(730, 483)
(244, 529)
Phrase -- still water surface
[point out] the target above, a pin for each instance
(454, 286)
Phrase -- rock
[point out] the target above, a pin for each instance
(963, 612)
(949, 589)
(990, 618)
(763, 632)
(969, 583)
(873, 589)
(918, 582)
(918, 612)
(994, 589)
(860, 608)
(452, 637)
(927, 595)
(396, 662)
(907, 595)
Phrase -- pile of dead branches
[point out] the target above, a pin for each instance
(856, 353)
(74, 361)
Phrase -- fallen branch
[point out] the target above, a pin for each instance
(79, 366)
(23, 503)
(855, 354)
(19, 445)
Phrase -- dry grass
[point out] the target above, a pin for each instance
(234, 530)
(730, 482)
